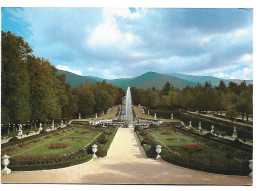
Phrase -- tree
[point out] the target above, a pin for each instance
(166, 88)
(15, 78)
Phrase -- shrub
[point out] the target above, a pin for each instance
(14, 140)
(86, 132)
(44, 132)
(58, 145)
(102, 139)
(166, 133)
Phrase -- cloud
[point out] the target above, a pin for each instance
(66, 68)
(122, 42)
(107, 34)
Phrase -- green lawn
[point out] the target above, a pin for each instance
(42, 148)
(207, 152)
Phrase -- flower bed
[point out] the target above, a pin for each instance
(166, 133)
(58, 145)
(175, 139)
(193, 147)
(86, 132)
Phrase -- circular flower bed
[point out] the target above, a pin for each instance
(193, 147)
(58, 145)
(166, 133)
(86, 132)
(176, 139)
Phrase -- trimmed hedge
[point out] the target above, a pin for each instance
(51, 165)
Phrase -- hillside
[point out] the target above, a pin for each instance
(149, 80)
(74, 80)
(202, 79)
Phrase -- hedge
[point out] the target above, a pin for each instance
(50, 165)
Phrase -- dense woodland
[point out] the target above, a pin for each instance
(234, 99)
(32, 90)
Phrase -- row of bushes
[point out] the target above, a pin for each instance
(207, 122)
(149, 143)
(51, 165)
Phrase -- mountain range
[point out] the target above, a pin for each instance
(150, 79)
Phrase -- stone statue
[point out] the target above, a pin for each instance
(40, 128)
(212, 129)
(52, 126)
(199, 126)
(154, 115)
(172, 116)
(190, 126)
(234, 133)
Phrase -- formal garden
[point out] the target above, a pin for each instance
(191, 149)
(60, 148)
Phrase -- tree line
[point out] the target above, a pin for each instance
(31, 89)
(234, 99)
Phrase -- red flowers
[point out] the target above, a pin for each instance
(58, 145)
(193, 147)
(86, 132)
(166, 133)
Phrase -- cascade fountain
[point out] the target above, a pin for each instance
(128, 109)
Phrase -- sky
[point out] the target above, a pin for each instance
(126, 42)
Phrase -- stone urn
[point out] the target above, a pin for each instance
(5, 162)
(158, 150)
(94, 149)
(251, 167)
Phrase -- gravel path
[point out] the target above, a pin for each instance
(126, 163)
